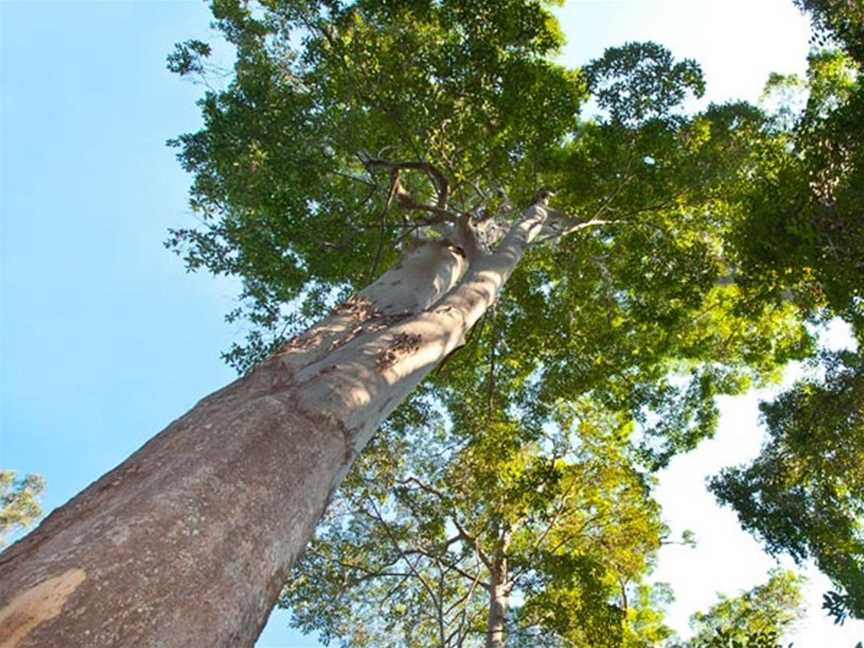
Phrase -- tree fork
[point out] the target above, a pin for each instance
(189, 541)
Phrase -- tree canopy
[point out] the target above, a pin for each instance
(803, 494)
(757, 618)
(294, 204)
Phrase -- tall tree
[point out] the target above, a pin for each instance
(359, 135)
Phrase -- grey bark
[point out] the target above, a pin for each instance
(499, 596)
(499, 592)
(189, 541)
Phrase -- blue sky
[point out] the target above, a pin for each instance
(104, 339)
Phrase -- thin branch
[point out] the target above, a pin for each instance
(473, 541)
(463, 622)
(576, 226)
(470, 539)
(514, 576)
(354, 178)
(555, 517)
(475, 580)
(349, 565)
(466, 599)
(396, 546)
(450, 565)
(395, 588)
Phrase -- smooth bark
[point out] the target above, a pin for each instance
(499, 594)
(189, 541)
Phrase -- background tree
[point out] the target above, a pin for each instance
(19, 502)
(757, 618)
(803, 494)
(838, 21)
(436, 535)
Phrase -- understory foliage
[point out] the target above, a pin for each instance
(702, 247)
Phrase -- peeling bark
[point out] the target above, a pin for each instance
(189, 541)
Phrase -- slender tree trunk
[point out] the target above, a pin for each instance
(189, 541)
(495, 631)
(499, 597)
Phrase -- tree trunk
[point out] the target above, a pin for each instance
(499, 595)
(189, 541)
(499, 590)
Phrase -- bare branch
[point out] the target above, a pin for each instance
(395, 588)
(446, 563)
(473, 541)
(464, 621)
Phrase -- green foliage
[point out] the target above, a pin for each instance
(839, 20)
(19, 502)
(755, 619)
(188, 57)
(408, 551)
(804, 494)
(644, 625)
(289, 208)
(639, 82)
(286, 202)
(803, 236)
